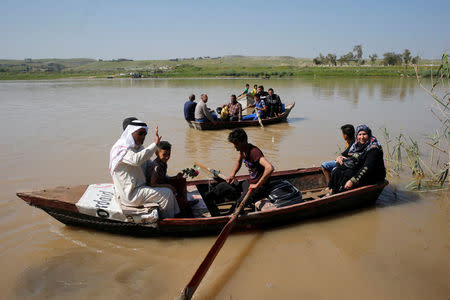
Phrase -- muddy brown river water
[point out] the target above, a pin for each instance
(60, 133)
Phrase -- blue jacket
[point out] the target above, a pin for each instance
(189, 109)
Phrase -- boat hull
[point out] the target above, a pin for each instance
(304, 179)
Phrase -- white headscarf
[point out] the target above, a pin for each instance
(125, 142)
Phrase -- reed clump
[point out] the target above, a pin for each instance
(430, 171)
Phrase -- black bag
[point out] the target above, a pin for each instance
(349, 163)
(283, 193)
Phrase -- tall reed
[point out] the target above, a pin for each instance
(404, 151)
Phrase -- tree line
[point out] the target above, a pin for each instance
(355, 57)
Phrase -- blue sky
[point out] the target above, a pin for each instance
(169, 29)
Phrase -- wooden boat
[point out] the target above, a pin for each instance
(60, 204)
(236, 124)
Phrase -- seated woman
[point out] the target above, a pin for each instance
(127, 159)
(365, 164)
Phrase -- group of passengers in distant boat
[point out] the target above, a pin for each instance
(139, 180)
(265, 104)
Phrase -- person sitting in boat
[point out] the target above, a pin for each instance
(189, 108)
(259, 168)
(246, 90)
(203, 113)
(273, 102)
(260, 109)
(157, 176)
(365, 164)
(234, 109)
(263, 94)
(348, 133)
(125, 166)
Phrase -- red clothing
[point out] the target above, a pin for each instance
(251, 161)
(235, 109)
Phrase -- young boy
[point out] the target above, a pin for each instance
(260, 109)
(246, 90)
(348, 133)
(157, 176)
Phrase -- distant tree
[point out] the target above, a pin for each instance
(319, 60)
(346, 58)
(55, 67)
(415, 60)
(392, 59)
(373, 58)
(406, 56)
(358, 53)
(331, 59)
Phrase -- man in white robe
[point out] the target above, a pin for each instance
(126, 158)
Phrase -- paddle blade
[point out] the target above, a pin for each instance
(193, 284)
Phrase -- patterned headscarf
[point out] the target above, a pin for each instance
(125, 142)
(358, 148)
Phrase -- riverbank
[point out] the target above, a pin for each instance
(223, 67)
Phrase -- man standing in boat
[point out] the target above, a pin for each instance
(246, 90)
(259, 168)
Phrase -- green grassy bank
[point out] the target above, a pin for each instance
(231, 66)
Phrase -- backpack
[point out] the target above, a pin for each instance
(283, 193)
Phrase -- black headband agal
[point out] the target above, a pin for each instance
(138, 124)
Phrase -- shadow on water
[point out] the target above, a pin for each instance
(51, 279)
(392, 195)
(231, 268)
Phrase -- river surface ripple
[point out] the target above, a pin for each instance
(60, 133)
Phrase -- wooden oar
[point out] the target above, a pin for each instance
(257, 115)
(212, 171)
(259, 119)
(191, 287)
(241, 97)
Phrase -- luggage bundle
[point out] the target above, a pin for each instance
(283, 193)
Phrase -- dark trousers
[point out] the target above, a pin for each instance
(256, 195)
(224, 192)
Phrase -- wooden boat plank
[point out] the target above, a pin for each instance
(61, 197)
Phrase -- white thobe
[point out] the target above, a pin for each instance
(130, 183)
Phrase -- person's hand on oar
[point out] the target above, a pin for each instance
(249, 106)
(230, 179)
